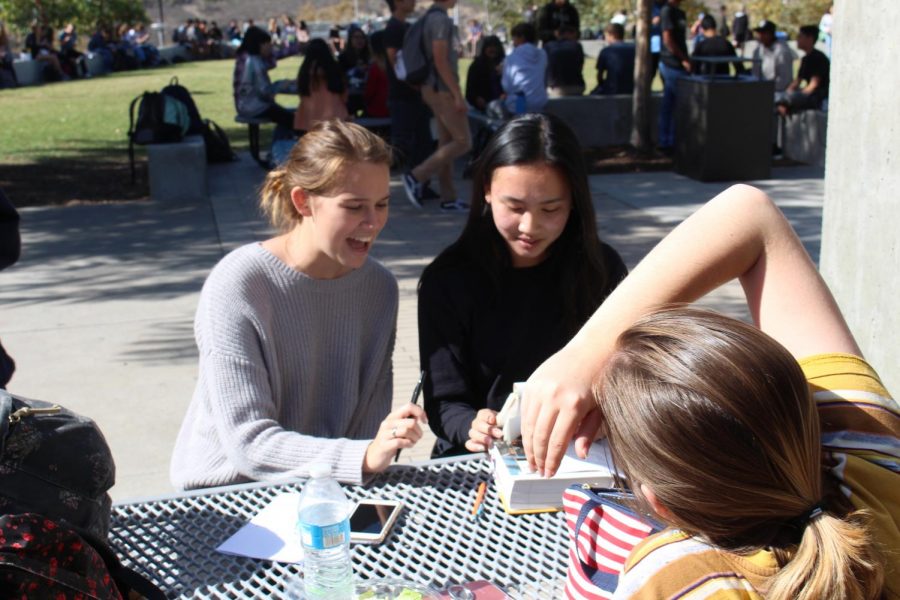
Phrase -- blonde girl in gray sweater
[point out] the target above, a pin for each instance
(295, 333)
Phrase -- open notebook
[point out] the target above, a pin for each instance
(522, 491)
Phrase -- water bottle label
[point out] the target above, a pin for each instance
(325, 537)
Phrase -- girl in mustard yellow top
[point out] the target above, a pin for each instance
(771, 452)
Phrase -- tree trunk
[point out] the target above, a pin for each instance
(641, 115)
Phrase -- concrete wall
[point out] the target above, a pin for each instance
(861, 220)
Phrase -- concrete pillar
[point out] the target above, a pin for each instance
(860, 257)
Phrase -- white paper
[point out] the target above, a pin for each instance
(598, 456)
(269, 535)
(598, 460)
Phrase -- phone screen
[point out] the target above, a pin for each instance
(371, 518)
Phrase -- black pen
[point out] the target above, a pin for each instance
(415, 399)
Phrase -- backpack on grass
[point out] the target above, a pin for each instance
(412, 64)
(161, 119)
(181, 93)
(218, 148)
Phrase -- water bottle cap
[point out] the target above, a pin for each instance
(320, 470)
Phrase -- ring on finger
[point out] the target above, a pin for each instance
(393, 432)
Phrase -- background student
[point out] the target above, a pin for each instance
(295, 333)
(483, 78)
(254, 93)
(772, 452)
(525, 273)
(442, 94)
(322, 87)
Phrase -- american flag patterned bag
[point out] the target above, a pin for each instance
(602, 533)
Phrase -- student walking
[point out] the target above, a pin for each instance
(442, 94)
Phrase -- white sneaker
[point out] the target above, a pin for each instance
(454, 206)
(413, 189)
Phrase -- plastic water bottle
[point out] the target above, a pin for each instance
(323, 522)
(521, 105)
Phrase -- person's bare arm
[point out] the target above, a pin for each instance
(739, 234)
(441, 52)
(813, 84)
(391, 56)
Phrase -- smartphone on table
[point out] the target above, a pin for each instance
(371, 520)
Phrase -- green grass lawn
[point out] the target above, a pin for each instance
(91, 115)
(67, 141)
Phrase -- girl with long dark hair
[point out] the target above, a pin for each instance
(483, 79)
(526, 272)
(321, 85)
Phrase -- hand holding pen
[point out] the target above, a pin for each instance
(413, 401)
(402, 428)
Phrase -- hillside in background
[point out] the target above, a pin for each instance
(325, 11)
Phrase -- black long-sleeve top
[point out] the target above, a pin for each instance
(477, 338)
(482, 83)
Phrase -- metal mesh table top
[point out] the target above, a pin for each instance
(172, 540)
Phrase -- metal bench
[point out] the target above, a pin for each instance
(601, 120)
(376, 124)
(253, 124)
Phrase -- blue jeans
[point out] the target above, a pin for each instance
(670, 76)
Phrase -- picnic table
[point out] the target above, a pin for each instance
(436, 541)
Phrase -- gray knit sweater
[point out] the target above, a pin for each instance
(293, 370)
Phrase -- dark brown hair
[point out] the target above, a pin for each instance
(587, 269)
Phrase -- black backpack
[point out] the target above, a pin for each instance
(218, 148)
(54, 462)
(160, 119)
(180, 93)
(45, 559)
(412, 64)
(55, 471)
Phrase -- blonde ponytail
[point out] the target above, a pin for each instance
(275, 200)
(836, 560)
(316, 164)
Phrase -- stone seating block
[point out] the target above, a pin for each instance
(171, 53)
(804, 136)
(601, 120)
(178, 171)
(29, 72)
(95, 64)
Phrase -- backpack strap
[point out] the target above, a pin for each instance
(6, 405)
(422, 48)
(131, 136)
(126, 579)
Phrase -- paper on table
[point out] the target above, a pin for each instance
(270, 534)
(599, 458)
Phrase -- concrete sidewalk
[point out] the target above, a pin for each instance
(98, 312)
